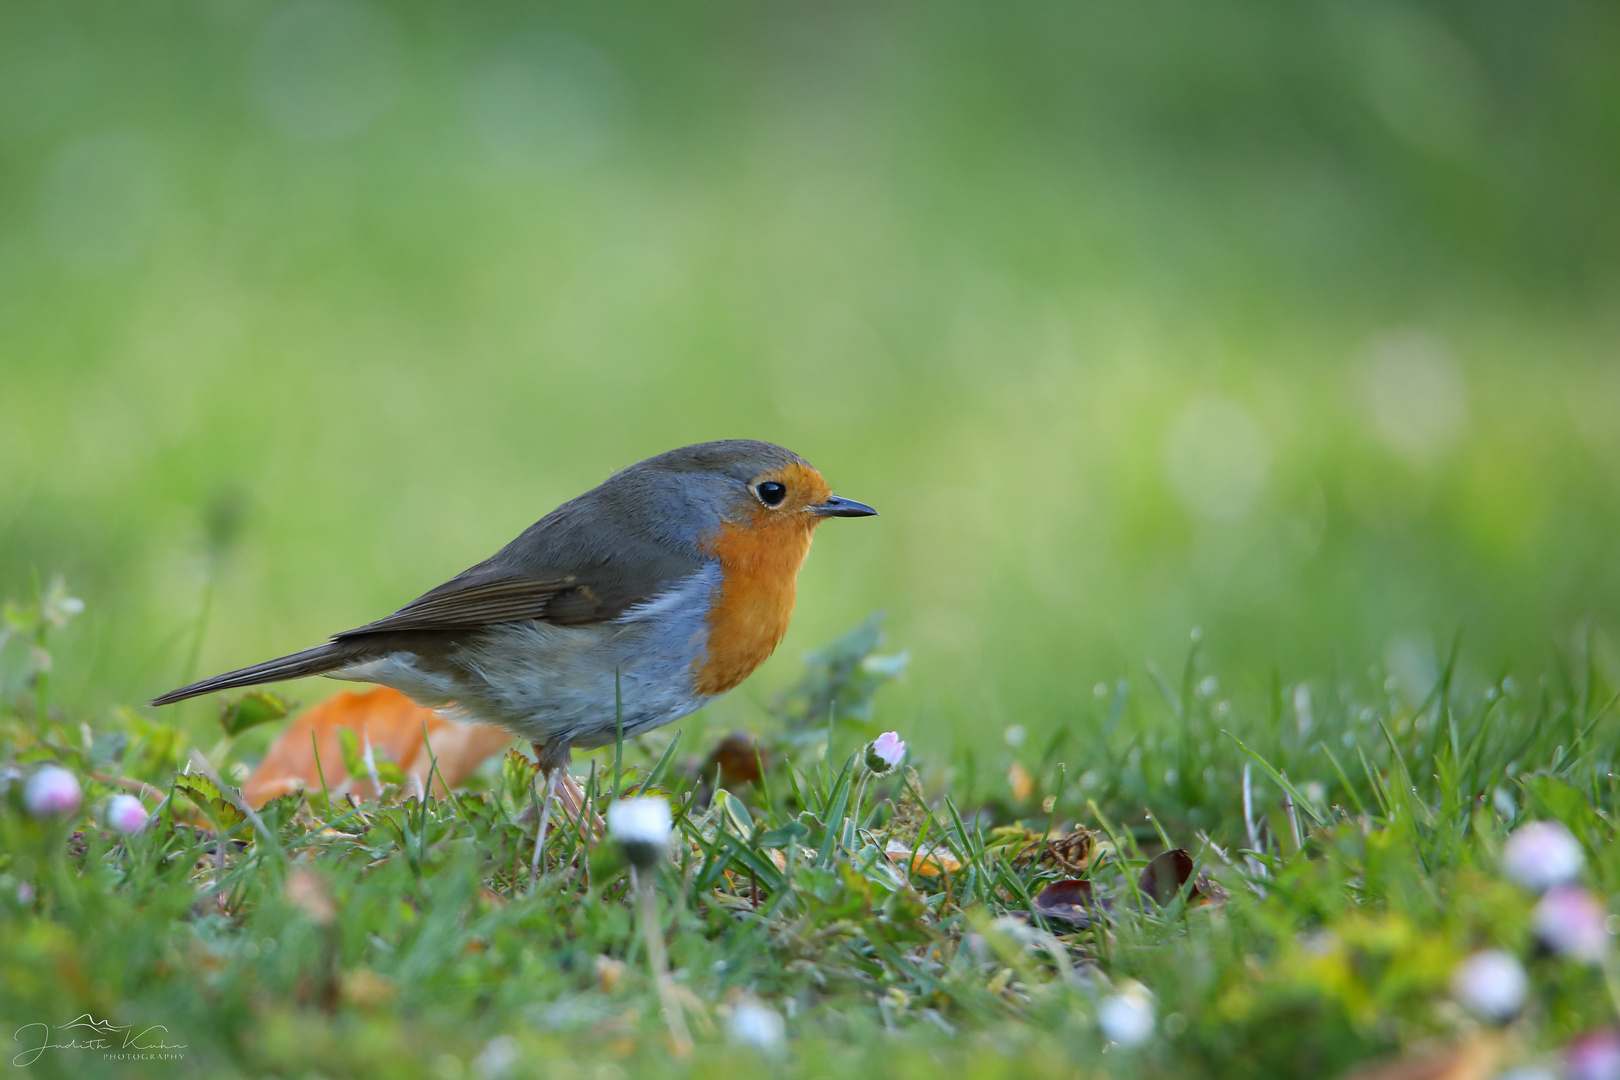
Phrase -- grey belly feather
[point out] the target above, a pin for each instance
(547, 682)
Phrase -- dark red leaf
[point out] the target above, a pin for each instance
(1070, 901)
(1163, 878)
(739, 757)
(1167, 875)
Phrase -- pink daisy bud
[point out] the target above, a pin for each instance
(52, 792)
(125, 814)
(1542, 854)
(1570, 921)
(885, 752)
(1594, 1056)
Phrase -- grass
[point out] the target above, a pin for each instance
(1357, 839)
(1293, 323)
(988, 270)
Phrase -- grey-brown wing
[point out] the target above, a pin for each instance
(497, 592)
(459, 603)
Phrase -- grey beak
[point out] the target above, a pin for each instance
(838, 506)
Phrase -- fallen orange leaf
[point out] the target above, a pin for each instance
(930, 861)
(394, 725)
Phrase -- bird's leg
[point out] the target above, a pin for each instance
(545, 821)
(553, 758)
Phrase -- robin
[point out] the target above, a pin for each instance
(643, 599)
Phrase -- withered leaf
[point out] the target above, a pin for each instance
(738, 757)
(394, 725)
(1168, 873)
(1073, 854)
(1163, 878)
(1070, 900)
(929, 862)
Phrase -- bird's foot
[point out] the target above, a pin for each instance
(571, 799)
(562, 790)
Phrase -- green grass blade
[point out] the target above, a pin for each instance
(658, 768)
(1344, 781)
(838, 804)
(1300, 801)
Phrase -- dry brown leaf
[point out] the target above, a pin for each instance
(1072, 854)
(930, 862)
(1164, 877)
(1070, 900)
(394, 725)
(738, 757)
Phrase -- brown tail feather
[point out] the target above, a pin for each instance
(316, 661)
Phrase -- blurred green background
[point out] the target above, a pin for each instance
(1295, 322)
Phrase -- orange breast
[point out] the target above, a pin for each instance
(759, 562)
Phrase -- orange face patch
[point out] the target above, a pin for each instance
(760, 554)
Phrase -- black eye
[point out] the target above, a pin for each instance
(771, 493)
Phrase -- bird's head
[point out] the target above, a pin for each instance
(743, 484)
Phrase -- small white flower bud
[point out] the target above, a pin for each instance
(1542, 854)
(642, 827)
(497, 1059)
(1127, 1017)
(1491, 983)
(52, 792)
(757, 1025)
